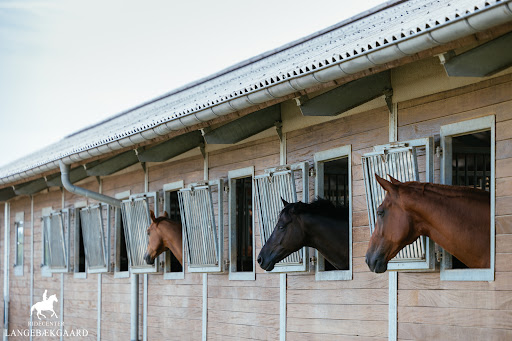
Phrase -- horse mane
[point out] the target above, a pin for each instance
(447, 190)
(321, 207)
(162, 218)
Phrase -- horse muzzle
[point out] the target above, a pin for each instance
(265, 264)
(148, 259)
(377, 263)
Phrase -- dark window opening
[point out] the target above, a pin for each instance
(81, 249)
(336, 189)
(173, 210)
(244, 258)
(471, 166)
(123, 254)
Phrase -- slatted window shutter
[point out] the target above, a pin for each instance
(277, 183)
(93, 230)
(55, 226)
(401, 162)
(203, 235)
(136, 221)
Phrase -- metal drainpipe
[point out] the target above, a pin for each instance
(66, 182)
(134, 280)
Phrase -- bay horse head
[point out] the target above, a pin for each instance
(394, 228)
(319, 224)
(163, 235)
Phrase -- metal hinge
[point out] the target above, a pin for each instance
(312, 171)
(312, 260)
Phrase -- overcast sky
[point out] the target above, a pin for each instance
(67, 64)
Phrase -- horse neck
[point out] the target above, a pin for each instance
(172, 237)
(329, 236)
(457, 220)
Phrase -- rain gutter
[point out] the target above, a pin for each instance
(480, 20)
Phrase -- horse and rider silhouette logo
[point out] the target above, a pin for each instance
(45, 305)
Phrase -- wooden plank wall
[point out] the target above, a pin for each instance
(243, 309)
(330, 310)
(427, 307)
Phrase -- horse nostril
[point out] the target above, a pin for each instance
(260, 260)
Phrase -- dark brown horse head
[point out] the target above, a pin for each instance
(394, 228)
(288, 237)
(156, 239)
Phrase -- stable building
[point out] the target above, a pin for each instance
(421, 90)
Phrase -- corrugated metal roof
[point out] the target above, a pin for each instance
(342, 42)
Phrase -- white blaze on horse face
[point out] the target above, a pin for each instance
(45, 305)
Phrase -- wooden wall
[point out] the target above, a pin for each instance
(427, 307)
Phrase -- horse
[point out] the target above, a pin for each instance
(320, 225)
(457, 218)
(45, 304)
(164, 234)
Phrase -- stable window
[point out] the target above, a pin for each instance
(136, 221)
(172, 267)
(204, 233)
(276, 183)
(79, 269)
(401, 160)
(18, 230)
(241, 225)
(468, 160)
(334, 183)
(56, 240)
(95, 246)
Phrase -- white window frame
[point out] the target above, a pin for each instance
(45, 270)
(219, 225)
(320, 158)
(66, 242)
(410, 265)
(302, 167)
(173, 187)
(19, 222)
(117, 238)
(447, 133)
(144, 269)
(233, 274)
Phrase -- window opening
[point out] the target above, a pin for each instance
(80, 249)
(468, 160)
(244, 259)
(336, 189)
(19, 243)
(122, 262)
(173, 210)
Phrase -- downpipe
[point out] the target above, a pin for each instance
(66, 182)
(7, 218)
(134, 279)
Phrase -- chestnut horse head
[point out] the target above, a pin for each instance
(456, 218)
(319, 224)
(164, 234)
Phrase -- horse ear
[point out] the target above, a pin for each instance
(166, 214)
(393, 180)
(388, 186)
(284, 201)
(152, 214)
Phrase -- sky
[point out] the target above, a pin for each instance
(67, 64)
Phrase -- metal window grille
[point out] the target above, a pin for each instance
(136, 220)
(55, 239)
(277, 183)
(19, 243)
(203, 239)
(93, 232)
(401, 162)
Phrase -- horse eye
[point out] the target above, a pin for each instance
(380, 213)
